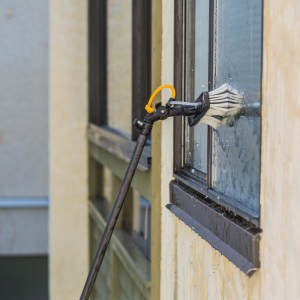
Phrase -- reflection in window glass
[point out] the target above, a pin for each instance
(119, 65)
(141, 227)
(197, 30)
(236, 149)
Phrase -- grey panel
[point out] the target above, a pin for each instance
(23, 231)
(24, 278)
(236, 150)
(24, 98)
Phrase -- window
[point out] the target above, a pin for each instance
(119, 87)
(217, 171)
(141, 224)
(119, 63)
(222, 44)
(119, 74)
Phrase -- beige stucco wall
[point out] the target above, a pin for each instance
(191, 268)
(280, 177)
(68, 149)
(24, 63)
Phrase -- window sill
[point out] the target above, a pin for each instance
(200, 186)
(117, 144)
(142, 181)
(234, 237)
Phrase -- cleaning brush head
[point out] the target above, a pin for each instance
(220, 104)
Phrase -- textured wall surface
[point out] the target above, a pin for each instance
(281, 151)
(68, 149)
(24, 69)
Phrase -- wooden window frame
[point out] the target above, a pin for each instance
(97, 57)
(141, 60)
(193, 201)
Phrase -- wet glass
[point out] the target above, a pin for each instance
(236, 149)
(196, 59)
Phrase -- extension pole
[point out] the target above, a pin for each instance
(137, 152)
(161, 113)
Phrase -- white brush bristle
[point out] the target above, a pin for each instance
(224, 101)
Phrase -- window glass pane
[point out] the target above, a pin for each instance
(119, 65)
(236, 149)
(197, 30)
(141, 224)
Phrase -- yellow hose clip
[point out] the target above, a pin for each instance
(148, 107)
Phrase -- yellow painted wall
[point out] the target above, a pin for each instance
(191, 268)
(68, 149)
(280, 177)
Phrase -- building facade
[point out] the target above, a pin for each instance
(212, 212)
(24, 148)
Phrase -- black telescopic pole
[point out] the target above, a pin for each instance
(137, 152)
(161, 113)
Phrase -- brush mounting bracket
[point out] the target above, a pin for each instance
(204, 99)
(164, 112)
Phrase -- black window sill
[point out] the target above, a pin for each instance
(118, 144)
(200, 186)
(233, 236)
